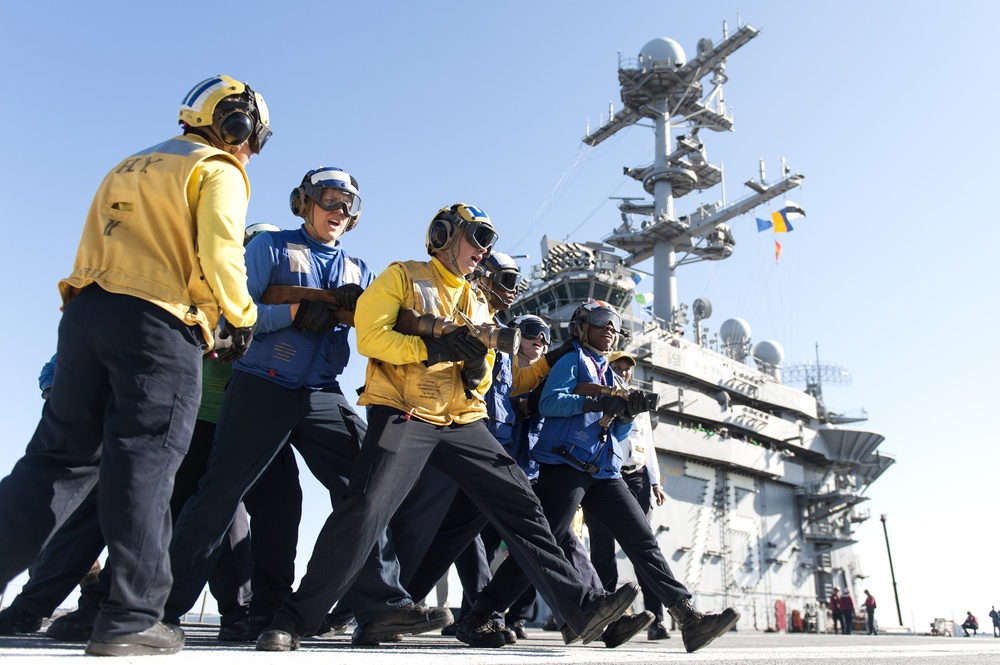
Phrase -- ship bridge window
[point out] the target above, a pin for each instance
(579, 291)
(544, 298)
(619, 297)
(601, 291)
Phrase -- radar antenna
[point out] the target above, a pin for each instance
(813, 375)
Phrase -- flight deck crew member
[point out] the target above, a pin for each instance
(287, 390)
(456, 536)
(72, 550)
(426, 407)
(580, 459)
(160, 257)
(641, 472)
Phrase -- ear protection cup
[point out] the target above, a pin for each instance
(443, 229)
(439, 234)
(298, 202)
(236, 128)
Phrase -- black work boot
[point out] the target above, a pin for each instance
(76, 626)
(14, 620)
(698, 629)
(157, 640)
(282, 635)
(410, 619)
(607, 609)
(625, 628)
(478, 629)
(657, 632)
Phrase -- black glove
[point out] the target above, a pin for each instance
(474, 372)
(241, 338)
(452, 347)
(315, 316)
(610, 405)
(638, 402)
(347, 296)
(555, 354)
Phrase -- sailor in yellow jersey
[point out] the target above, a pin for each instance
(423, 412)
(160, 257)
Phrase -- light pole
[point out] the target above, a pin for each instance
(895, 592)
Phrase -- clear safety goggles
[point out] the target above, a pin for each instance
(331, 199)
(480, 235)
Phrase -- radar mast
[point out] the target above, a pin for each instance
(663, 86)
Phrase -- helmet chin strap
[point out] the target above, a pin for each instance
(452, 254)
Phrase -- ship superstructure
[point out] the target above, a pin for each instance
(764, 485)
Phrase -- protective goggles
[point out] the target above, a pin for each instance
(331, 198)
(261, 116)
(602, 316)
(534, 329)
(259, 137)
(506, 280)
(480, 235)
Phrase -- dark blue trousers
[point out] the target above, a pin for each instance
(602, 543)
(456, 542)
(63, 562)
(415, 531)
(72, 550)
(393, 455)
(122, 409)
(561, 489)
(256, 420)
(275, 507)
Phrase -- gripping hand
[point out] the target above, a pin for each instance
(241, 338)
(347, 296)
(638, 402)
(453, 347)
(315, 317)
(610, 405)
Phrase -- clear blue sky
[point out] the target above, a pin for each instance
(887, 108)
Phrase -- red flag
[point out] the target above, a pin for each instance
(777, 251)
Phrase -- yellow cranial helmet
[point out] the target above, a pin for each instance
(229, 110)
(450, 223)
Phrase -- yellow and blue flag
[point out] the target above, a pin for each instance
(781, 220)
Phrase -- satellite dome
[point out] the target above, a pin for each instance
(662, 50)
(769, 352)
(734, 331)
